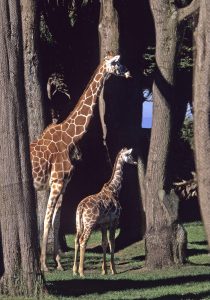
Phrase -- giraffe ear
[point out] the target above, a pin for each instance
(129, 151)
(115, 58)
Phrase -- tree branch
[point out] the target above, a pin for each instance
(188, 10)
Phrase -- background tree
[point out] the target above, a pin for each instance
(20, 272)
(202, 111)
(163, 231)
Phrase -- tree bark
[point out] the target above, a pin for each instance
(20, 271)
(34, 90)
(108, 42)
(202, 111)
(165, 238)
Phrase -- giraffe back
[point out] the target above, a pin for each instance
(99, 209)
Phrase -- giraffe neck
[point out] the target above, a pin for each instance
(115, 181)
(82, 113)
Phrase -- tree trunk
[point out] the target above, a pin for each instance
(202, 112)
(21, 272)
(34, 91)
(108, 42)
(165, 238)
(32, 75)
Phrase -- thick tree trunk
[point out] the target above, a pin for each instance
(202, 112)
(21, 272)
(35, 97)
(162, 229)
(33, 90)
(108, 42)
(32, 75)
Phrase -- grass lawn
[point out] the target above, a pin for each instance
(133, 282)
(191, 281)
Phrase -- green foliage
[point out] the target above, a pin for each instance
(187, 131)
(185, 59)
(149, 61)
(45, 34)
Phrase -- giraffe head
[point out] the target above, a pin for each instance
(127, 156)
(113, 66)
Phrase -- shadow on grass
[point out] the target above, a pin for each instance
(201, 243)
(193, 252)
(188, 296)
(79, 287)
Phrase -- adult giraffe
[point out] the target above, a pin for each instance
(51, 163)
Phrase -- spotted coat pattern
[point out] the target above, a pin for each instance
(102, 209)
(51, 164)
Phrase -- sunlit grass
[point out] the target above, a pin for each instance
(133, 281)
(190, 281)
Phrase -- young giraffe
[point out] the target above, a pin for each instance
(50, 154)
(101, 209)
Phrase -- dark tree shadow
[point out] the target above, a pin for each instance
(89, 286)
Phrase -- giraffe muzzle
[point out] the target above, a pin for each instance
(128, 74)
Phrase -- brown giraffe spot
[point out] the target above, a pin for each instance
(98, 77)
(52, 130)
(79, 130)
(94, 85)
(85, 110)
(53, 147)
(64, 126)
(42, 161)
(41, 154)
(36, 170)
(71, 130)
(37, 148)
(59, 158)
(88, 94)
(46, 142)
(66, 138)
(59, 167)
(60, 174)
(40, 142)
(57, 136)
(81, 120)
(47, 136)
(89, 100)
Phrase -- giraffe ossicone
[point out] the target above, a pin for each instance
(102, 209)
(51, 163)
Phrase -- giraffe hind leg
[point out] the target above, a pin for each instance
(76, 263)
(112, 248)
(56, 227)
(83, 243)
(104, 245)
(53, 198)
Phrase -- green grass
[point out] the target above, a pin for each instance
(191, 281)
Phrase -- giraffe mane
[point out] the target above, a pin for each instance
(114, 167)
(85, 90)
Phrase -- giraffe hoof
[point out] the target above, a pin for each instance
(60, 268)
(75, 273)
(104, 273)
(44, 269)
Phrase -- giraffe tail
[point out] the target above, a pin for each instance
(79, 221)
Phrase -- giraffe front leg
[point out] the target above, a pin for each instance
(104, 245)
(112, 248)
(54, 195)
